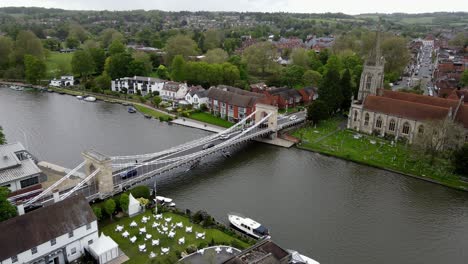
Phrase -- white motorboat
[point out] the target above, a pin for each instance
(79, 97)
(301, 259)
(90, 99)
(247, 225)
(16, 88)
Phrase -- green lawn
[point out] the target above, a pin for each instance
(210, 119)
(151, 112)
(58, 64)
(377, 152)
(131, 250)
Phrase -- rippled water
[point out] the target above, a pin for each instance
(332, 210)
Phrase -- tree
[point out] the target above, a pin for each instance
(82, 63)
(34, 68)
(97, 212)
(145, 60)
(177, 68)
(2, 137)
(396, 55)
(460, 160)
(27, 43)
(317, 111)
(7, 210)
(108, 35)
(162, 72)
(300, 57)
(180, 45)
(77, 32)
(212, 40)
(346, 89)
(231, 74)
(72, 43)
(156, 101)
(292, 76)
(117, 66)
(116, 47)
(260, 57)
(109, 207)
(216, 56)
(52, 44)
(329, 90)
(464, 78)
(124, 201)
(6, 50)
(312, 78)
(99, 57)
(137, 68)
(103, 81)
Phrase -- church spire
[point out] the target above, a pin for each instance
(375, 55)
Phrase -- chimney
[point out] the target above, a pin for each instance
(20, 208)
(56, 196)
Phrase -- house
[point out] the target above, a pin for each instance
(138, 83)
(284, 97)
(18, 169)
(319, 43)
(197, 96)
(55, 234)
(231, 102)
(174, 91)
(66, 80)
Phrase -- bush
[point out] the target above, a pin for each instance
(236, 244)
(208, 221)
(97, 212)
(202, 244)
(162, 118)
(124, 200)
(460, 160)
(191, 248)
(141, 191)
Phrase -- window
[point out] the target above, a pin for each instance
(34, 250)
(406, 128)
(355, 116)
(73, 251)
(14, 259)
(378, 123)
(70, 234)
(29, 182)
(90, 242)
(53, 242)
(88, 226)
(366, 119)
(421, 130)
(368, 82)
(391, 127)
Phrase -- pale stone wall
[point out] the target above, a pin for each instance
(95, 160)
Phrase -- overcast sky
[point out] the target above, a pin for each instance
(304, 6)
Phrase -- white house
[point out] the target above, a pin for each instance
(66, 80)
(134, 206)
(18, 169)
(138, 83)
(174, 91)
(55, 234)
(197, 97)
(104, 249)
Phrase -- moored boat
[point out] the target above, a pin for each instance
(16, 88)
(131, 110)
(79, 97)
(147, 116)
(300, 259)
(247, 225)
(90, 99)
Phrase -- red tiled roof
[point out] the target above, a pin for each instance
(462, 115)
(421, 99)
(404, 108)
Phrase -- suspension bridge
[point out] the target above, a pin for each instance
(110, 175)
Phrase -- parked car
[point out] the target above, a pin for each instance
(293, 117)
(209, 145)
(128, 173)
(226, 136)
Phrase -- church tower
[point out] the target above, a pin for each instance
(373, 72)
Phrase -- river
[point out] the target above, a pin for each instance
(332, 210)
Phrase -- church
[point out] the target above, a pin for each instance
(398, 114)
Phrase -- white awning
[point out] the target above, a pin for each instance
(102, 245)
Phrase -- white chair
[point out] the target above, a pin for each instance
(142, 248)
(144, 220)
(118, 228)
(133, 224)
(229, 250)
(181, 240)
(165, 228)
(165, 251)
(158, 216)
(179, 225)
(142, 230)
(169, 219)
(133, 239)
(148, 236)
(155, 225)
(155, 242)
(201, 251)
(171, 234)
(218, 249)
(188, 229)
(125, 234)
(152, 255)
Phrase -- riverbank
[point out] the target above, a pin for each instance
(330, 140)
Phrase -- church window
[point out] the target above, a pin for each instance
(421, 130)
(378, 124)
(406, 128)
(366, 119)
(355, 116)
(391, 127)
(368, 82)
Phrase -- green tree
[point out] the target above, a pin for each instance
(212, 40)
(124, 201)
(103, 81)
(144, 59)
(180, 45)
(2, 137)
(231, 74)
(177, 68)
(317, 111)
(7, 210)
(117, 66)
(137, 68)
(460, 160)
(97, 212)
(99, 58)
(329, 90)
(162, 72)
(260, 58)
(464, 78)
(77, 32)
(27, 44)
(216, 56)
(72, 43)
(6, 51)
(52, 44)
(300, 57)
(292, 76)
(312, 78)
(156, 101)
(396, 54)
(346, 89)
(34, 68)
(241, 65)
(116, 47)
(109, 207)
(82, 63)
(108, 35)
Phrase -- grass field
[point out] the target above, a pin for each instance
(210, 119)
(151, 112)
(375, 151)
(137, 257)
(58, 64)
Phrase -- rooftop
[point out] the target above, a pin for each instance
(15, 163)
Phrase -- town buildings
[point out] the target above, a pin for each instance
(197, 96)
(137, 83)
(173, 91)
(398, 114)
(67, 80)
(284, 97)
(56, 234)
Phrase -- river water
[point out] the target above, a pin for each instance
(329, 209)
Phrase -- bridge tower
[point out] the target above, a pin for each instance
(95, 160)
(262, 111)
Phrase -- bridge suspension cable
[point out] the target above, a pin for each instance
(78, 186)
(53, 186)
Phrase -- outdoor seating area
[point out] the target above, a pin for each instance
(158, 237)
